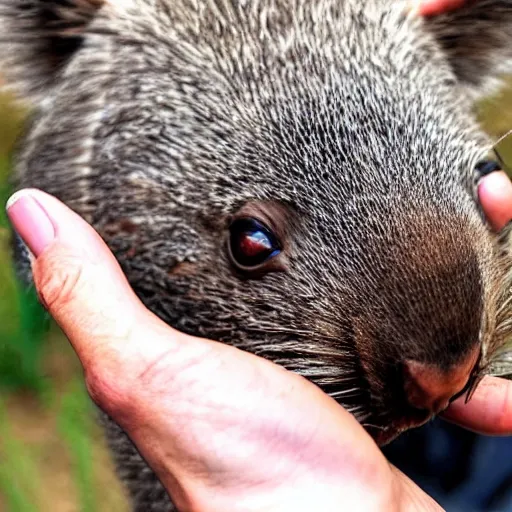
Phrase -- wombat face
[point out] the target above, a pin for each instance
(295, 178)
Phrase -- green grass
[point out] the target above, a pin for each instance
(75, 427)
(23, 322)
(18, 473)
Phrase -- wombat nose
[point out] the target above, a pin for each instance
(430, 387)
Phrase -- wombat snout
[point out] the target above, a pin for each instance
(432, 388)
(429, 389)
(423, 330)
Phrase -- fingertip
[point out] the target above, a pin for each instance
(495, 195)
(30, 220)
(488, 412)
(436, 7)
(41, 220)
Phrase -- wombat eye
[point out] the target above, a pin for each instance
(485, 167)
(251, 244)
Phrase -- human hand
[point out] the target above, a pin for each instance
(223, 429)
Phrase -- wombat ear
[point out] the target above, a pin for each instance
(37, 37)
(478, 41)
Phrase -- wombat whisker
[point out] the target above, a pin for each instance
(346, 392)
(494, 148)
(504, 327)
(301, 351)
(373, 426)
(501, 365)
(506, 305)
(501, 139)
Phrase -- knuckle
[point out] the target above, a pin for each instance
(58, 277)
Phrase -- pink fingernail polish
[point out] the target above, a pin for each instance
(30, 221)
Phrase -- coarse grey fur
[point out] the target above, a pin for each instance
(158, 120)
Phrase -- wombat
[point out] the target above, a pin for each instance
(294, 177)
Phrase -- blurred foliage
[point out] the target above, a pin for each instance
(23, 322)
(75, 425)
(496, 117)
(52, 452)
(18, 474)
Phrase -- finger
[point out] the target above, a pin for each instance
(78, 279)
(488, 412)
(495, 195)
(435, 7)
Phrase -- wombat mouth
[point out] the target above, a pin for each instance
(421, 391)
(385, 435)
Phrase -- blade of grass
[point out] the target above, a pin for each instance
(18, 473)
(75, 426)
(24, 321)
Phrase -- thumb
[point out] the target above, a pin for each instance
(159, 384)
(83, 287)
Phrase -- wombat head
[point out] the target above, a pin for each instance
(296, 178)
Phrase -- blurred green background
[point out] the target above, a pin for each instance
(52, 455)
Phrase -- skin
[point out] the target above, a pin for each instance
(200, 411)
(434, 7)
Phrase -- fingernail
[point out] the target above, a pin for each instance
(30, 221)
